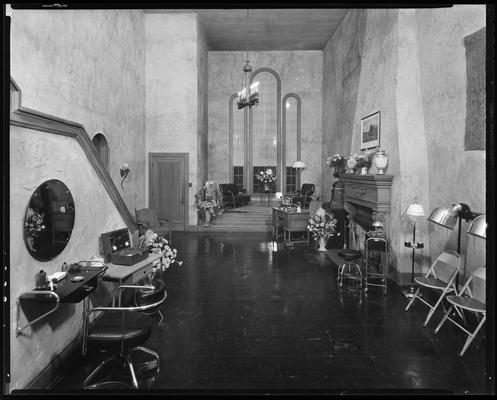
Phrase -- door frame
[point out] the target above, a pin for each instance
(186, 159)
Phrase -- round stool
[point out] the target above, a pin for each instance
(350, 258)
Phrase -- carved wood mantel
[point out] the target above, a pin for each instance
(368, 198)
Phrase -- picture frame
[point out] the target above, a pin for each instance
(370, 131)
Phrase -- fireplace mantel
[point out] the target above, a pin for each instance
(368, 198)
(372, 191)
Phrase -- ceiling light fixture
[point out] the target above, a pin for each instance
(249, 93)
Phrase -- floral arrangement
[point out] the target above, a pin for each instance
(322, 224)
(201, 204)
(266, 176)
(211, 206)
(338, 161)
(34, 223)
(363, 159)
(158, 244)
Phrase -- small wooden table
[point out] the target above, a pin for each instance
(290, 221)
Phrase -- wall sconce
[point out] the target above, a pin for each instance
(124, 173)
(414, 212)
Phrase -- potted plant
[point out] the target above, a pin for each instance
(322, 226)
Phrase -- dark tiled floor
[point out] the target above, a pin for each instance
(240, 315)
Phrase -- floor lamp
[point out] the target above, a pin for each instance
(298, 165)
(449, 217)
(415, 212)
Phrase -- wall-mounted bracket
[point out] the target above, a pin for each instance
(35, 296)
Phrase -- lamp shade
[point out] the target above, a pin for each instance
(442, 216)
(415, 211)
(478, 227)
(377, 224)
(298, 164)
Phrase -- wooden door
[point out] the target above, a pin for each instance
(168, 187)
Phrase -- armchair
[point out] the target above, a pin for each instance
(147, 218)
(304, 196)
(232, 196)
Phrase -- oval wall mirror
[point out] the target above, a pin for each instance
(49, 220)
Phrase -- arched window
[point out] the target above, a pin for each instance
(265, 130)
(257, 140)
(100, 143)
(237, 143)
(291, 115)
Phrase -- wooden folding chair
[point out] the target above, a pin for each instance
(440, 277)
(469, 300)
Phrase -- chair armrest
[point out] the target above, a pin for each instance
(161, 220)
(232, 196)
(134, 287)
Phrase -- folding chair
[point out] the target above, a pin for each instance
(469, 300)
(440, 277)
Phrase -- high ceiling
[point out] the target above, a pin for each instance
(268, 29)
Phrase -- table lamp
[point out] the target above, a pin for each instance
(415, 212)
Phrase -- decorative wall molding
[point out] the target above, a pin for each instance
(31, 119)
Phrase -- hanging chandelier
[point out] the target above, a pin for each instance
(249, 93)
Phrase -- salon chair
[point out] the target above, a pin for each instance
(304, 195)
(122, 331)
(232, 196)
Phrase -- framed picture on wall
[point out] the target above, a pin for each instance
(370, 131)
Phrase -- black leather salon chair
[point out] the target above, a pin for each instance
(147, 297)
(232, 196)
(304, 195)
(121, 331)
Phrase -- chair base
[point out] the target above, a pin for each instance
(348, 265)
(120, 360)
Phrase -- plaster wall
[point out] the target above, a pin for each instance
(300, 72)
(410, 65)
(172, 91)
(87, 66)
(456, 175)
(203, 93)
(34, 158)
(359, 78)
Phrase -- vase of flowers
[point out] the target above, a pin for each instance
(266, 177)
(363, 162)
(322, 226)
(158, 244)
(380, 159)
(33, 226)
(207, 205)
(338, 162)
(351, 163)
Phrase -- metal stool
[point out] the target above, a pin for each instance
(349, 259)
